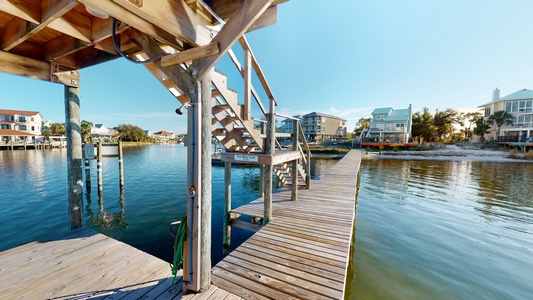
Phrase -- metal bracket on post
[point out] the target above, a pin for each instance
(66, 77)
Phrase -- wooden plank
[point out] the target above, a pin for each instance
(247, 288)
(244, 17)
(29, 10)
(285, 279)
(120, 13)
(22, 66)
(175, 16)
(190, 54)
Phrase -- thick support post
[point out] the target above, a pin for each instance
(227, 208)
(295, 163)
(197, 246)
(120, 164)
(74, 157)
(270, 148)
(206, 207)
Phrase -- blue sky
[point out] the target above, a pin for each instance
(343, 58)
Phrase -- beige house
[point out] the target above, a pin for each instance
(19, 124)
(319, 127)
(520, 105)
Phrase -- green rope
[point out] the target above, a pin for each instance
(181, 233)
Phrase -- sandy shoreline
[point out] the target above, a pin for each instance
(449, 153)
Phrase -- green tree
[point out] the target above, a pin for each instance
(361, 124)
(422, 126)
(131, 133)
(86, 131)
(444, 120)
(472, 118)
(500, 117)
(57, 129)
(481, 128)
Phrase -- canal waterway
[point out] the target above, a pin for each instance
(34, 206)
(424, 230)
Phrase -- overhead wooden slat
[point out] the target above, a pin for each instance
(74, 24)
(239, 23)
(120, 13)
(52, 9)
(62, 46)
(14, 33)
(29, 10)
(175, 16)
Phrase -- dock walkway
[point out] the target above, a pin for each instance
(302, 253)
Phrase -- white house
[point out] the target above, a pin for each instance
(520, 105)
(103, 131)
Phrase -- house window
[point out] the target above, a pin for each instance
(4, 126)
(22, 119)
(32, 119)
(515, 107)
(487, 112)
(33, 128)
(22, 127)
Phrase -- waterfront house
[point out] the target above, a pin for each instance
(163, 136)
(520, 105)
(318, 127)
(389, 125)
(103, 132)
(18, 125)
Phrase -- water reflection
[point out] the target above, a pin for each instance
(444, 230)
(107, 220)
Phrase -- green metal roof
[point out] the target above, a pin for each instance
(398, 115)
(520, 95)
(382, 111)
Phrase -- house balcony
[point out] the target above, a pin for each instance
(514, 139)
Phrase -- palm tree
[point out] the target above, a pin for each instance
(500, 117)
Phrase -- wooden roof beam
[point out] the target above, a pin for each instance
(174, 77)
(22, 66)
(176, 17)
(226, 8)
(120, 13)
(237, 25)
(29, 10)
(19, 30)
(190, 55)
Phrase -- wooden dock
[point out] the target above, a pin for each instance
(302, 253)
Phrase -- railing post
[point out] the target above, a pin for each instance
(295, 163)
(247, 75)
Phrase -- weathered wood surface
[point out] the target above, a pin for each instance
(83, 264)
(303, 252)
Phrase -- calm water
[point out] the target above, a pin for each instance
(34, 206)
(444, 230)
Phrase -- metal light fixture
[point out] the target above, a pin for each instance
(179, 111)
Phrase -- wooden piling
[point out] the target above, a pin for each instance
(74, 157)
(99, 169)
(88, 175)
(227, 208)
(120, 164)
